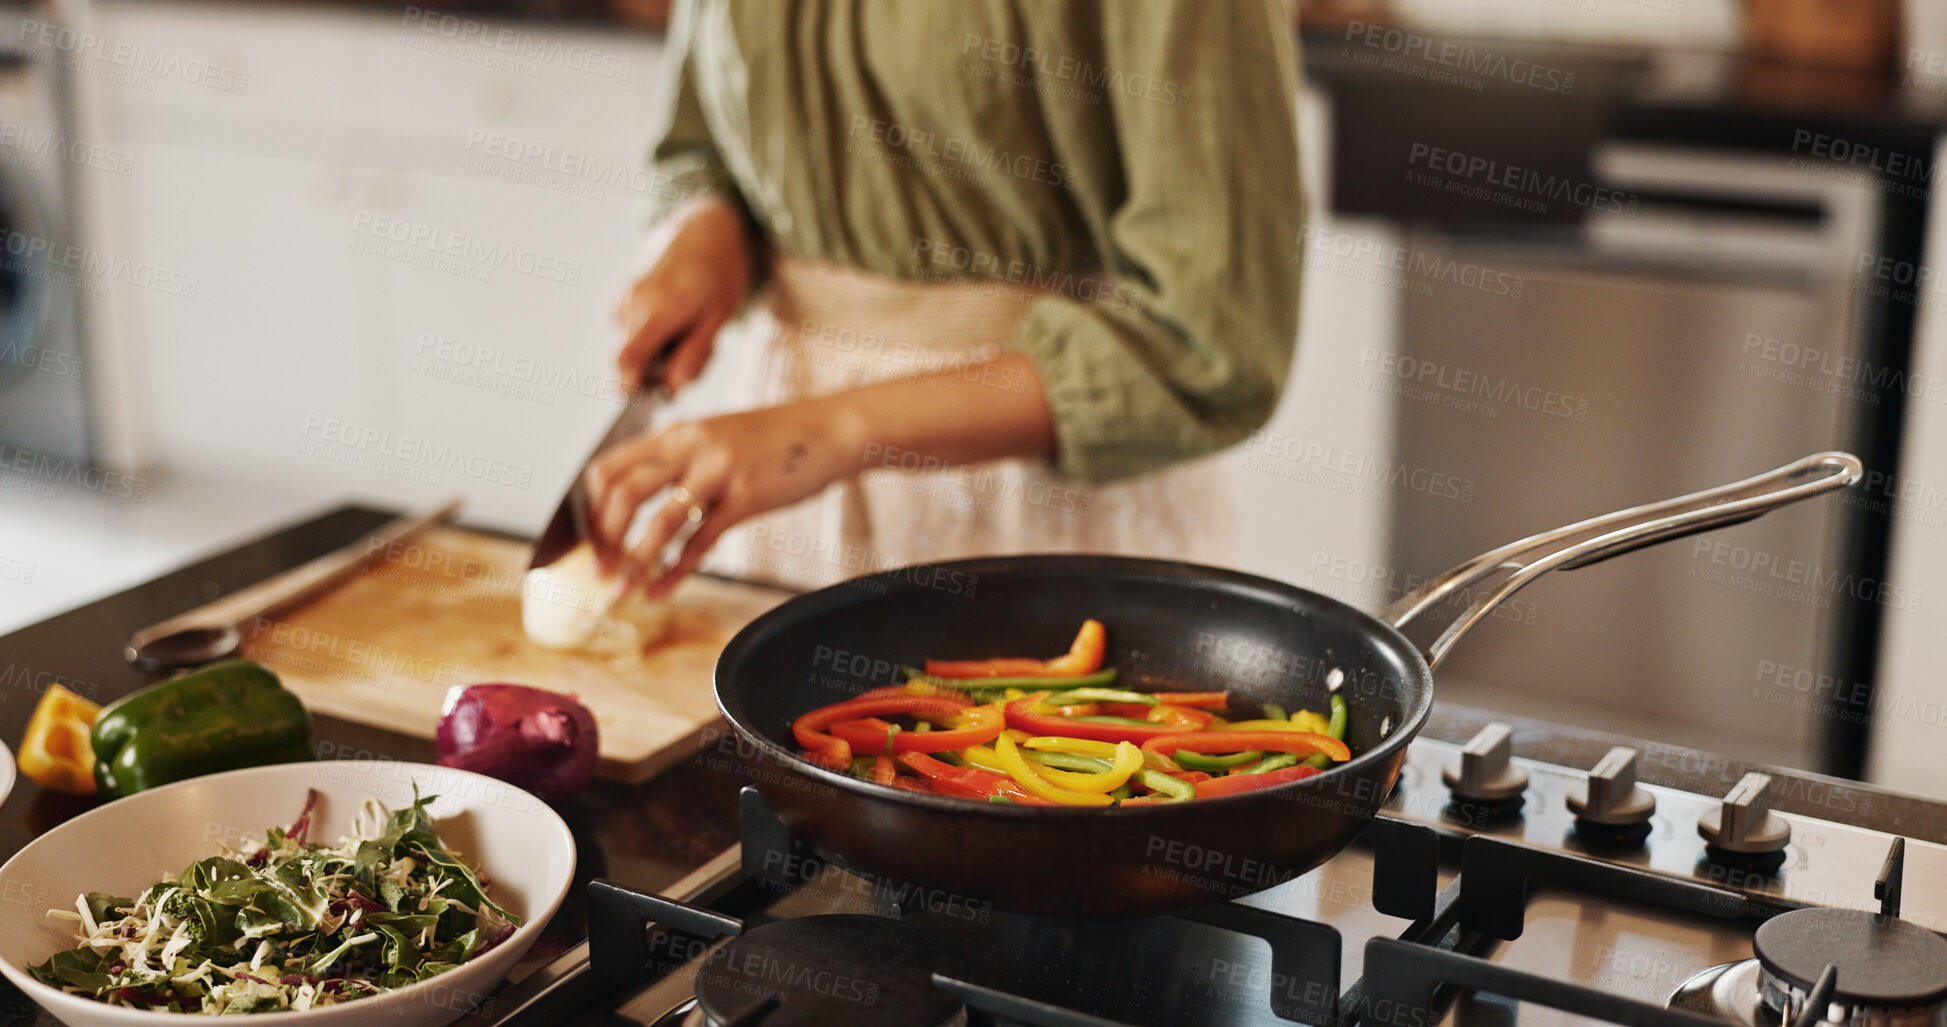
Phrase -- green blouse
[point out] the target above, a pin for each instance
(1139, 156)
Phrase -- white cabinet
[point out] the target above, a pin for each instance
(404, 243)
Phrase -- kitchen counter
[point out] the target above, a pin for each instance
(1645, 90)
(1547, 107)
(648, 836)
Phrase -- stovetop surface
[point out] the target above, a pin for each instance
(1667, 911)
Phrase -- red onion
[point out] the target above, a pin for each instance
(529, 737)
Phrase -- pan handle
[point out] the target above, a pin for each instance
(1599, 538)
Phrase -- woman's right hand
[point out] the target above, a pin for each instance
(696, 282)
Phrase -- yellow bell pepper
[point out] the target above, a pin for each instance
(1126, 761)
(56, 753)
(1078, 746)
(1018, 768)
(1099, 750)
(1316, 723)
(1265, 725)
(984, 757)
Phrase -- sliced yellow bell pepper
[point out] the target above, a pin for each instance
(56, 752)
(1098, 749)
(1078, 746)
(1127, 760)
(984, 757)
(1019, 769)
(1268, 725)
(1316, 723)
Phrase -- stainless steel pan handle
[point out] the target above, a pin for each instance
(1599, 538)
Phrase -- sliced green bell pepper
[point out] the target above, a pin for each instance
(1319, 761)
(1077, 696)
(1068, 761)
(1217, 764)
(1174, 789)
(221, 717)
(1275, 761)
(1025, 683)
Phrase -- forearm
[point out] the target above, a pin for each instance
(984, 410)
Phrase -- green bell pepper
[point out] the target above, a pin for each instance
(1077, 696)
(220, 717)
(1337, 730)
(1068, 761)
(1216, 764)
(1275, 761)
(1026, 684)
(1175, 788)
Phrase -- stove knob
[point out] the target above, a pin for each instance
(1610, 796)
(1744, 823)
(1483, 773)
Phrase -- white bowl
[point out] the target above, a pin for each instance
(521, 846)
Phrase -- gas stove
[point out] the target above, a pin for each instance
(1491, 889)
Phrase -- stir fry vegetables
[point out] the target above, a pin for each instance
(1057, 732)
(291, 926)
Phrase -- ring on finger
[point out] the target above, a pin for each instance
(696, 511)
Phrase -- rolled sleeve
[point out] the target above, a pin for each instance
(685, 160)
(1190, 351)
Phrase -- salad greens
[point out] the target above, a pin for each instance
(293, 925)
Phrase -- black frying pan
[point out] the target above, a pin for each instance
(1172, 626)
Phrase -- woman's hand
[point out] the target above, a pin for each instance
(698, 279)
(734, 466)
(741, 465)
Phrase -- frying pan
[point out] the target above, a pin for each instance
(1172, 626)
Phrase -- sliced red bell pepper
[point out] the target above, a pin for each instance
(836, 753)
(870, 734)
(897, 691)
(1083, 657)
(1171, 720)
(1303, 743)
(1233, 784)
(1161, 713)
(967, 782)
(1087, 709)
(1200, 700)
(884, 770)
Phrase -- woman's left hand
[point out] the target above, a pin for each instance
(733, 467)
(741, 465)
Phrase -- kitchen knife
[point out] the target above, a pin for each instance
(215, 630)
(569, 526)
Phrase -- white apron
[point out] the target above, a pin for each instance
(823, 328)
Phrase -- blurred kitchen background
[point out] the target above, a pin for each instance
(1564, 256)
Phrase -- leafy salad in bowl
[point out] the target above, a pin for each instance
(291, 926)
(401, 893)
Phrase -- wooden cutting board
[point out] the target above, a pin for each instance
(445, 610)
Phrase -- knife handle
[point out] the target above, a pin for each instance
(293, 586)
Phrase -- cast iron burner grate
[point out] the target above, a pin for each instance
(1849, 967)
(1833, 965)
(1408, 982)
(1882, 961)
(739, 959)
(812, 971)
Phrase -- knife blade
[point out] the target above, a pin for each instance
(569, 526)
